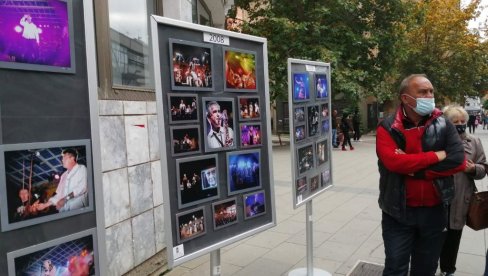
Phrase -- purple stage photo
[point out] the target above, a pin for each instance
(35, 33)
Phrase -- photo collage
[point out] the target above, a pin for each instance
(208, 124)
(311, 131)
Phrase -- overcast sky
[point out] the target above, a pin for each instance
(474, 24)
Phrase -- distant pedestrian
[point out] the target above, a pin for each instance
(334, 129)
(485, 120)
(345, 128)
(418, 149)
(464, 182)
(471, 123)
(356, 120)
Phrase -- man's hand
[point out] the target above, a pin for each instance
(441, 155)
(60, 204)
(470, 166)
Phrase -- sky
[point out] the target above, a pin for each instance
(482, 17)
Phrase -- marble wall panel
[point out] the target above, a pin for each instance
(159, 228)
(116, 196)
(140, 188)
(112, 142)
(106, 107)
(143, 237)
(157, 183)
(119, 248)
(134, 108)
(152, 124)
(136, 140)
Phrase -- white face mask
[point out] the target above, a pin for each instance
(424, 106)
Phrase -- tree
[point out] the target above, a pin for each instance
(361, 39)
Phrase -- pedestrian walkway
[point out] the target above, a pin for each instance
(347, 224)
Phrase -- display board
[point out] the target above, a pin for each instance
(45, 48)
(309, 97)
(214, 121)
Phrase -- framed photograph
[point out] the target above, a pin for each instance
(314, 183)
(324, 127)
(191, 65)
(325, 178)
(183, 108)
(305, 158)
(185, 140)
(224, 213)
(244, 171)
(75, 254)
(249, 108)
(299, 115)
(313, 120)
(35, 186)
(322, 152)
(254, 204)
(301, 86)
(198, 179)
(239, 70)
(250, 135)
(190, 224)
(321, 87)
(324, 111)
(300, 133)
(219, 124)
(37, 38)
(301, 187)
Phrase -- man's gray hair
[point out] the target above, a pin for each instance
(406, 82)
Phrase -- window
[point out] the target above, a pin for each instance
(130, 43)
(200, 13)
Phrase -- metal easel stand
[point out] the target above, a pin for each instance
(215, 263)
(309, 270)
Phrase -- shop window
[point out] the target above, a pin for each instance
(130, 43)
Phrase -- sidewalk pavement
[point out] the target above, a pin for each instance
(347, 223)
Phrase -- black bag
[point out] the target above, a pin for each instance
(478, 211)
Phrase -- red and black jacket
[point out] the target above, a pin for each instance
(416, 178)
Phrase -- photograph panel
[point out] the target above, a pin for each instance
(240, 70)
(322, 152)
(38, 37)
(198, 180)
(313, 120)
(190, 224)
(191, 65)
(301, 87)
(314, 183)
(224, 213)
(301, 188)
(254, 204)
(325, 180)
(250, 135)
(244, 171)
(305, 158)
(300, 133)
(249, 108)
(321, 87)
(44, 181)
(219, 131)
(183, 108)
(185, 140)
(299, 114)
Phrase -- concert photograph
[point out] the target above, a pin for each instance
(314, 183)
(324, 127)
(190, 224)
(219, 131)
(240, 70)
(183, 108)
(71, 257)
(249, 108)
(36, 184)
(325, 178)
(250, 135)
(299, 114)
(321, 87)
(185, 139)
(324, 110)
(299, 133)
(322, 152)
(243, 171)
(305, 158)
(37, 35)
(254, 205)
(313, 120)
(301, 186)
(224, 213)
(198, 180)
(301, 87)
(191, 63)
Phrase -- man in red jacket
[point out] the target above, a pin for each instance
(418, 151)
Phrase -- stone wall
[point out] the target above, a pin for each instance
(132, 183)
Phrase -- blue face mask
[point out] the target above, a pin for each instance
(425, 106)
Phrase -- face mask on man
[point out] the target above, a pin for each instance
(424, 106)
(461, 128)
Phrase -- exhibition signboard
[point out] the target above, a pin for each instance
(214, 121)
(309, 101)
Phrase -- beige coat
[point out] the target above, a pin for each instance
(464, 182)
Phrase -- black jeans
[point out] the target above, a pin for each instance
(450, 251)
(418, 241)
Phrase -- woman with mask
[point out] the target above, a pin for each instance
(476, 168)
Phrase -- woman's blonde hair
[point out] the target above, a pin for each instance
(452, 112)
